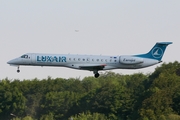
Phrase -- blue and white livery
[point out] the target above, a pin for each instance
(93, 63)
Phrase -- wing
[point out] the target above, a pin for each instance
(92, 67)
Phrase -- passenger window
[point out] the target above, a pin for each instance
(79, 59)
(101, 60)
(83, 59)
(69, 59)
(97, 59)
(74, 59)
(114, 60)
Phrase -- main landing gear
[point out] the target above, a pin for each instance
(96, 74)
(18, 70)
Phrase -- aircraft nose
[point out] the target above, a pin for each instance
(12, 62)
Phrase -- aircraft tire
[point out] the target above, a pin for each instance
(96, 75)
(18, 71)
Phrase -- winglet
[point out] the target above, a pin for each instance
(157, 51)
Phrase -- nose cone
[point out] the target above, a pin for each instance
(13, 62)
(10, 62)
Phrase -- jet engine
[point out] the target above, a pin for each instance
(130, 60)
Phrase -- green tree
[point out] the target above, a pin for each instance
(12, 100)
(89, 116)
(59, 103)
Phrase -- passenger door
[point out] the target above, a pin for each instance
(27, 59)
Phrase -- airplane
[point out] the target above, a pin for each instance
(93, 63)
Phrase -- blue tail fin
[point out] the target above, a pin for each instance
(157, 51)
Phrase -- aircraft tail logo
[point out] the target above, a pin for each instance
(156, 52)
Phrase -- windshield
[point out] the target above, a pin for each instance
(24, 56)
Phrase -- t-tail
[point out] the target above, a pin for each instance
(156, 52)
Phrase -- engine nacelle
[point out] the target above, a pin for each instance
(130, 60)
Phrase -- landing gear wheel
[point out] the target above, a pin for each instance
(18, 70)
(96, 75)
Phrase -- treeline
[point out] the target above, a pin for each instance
(154, 96)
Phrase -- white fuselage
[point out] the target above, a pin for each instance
(94, 63)
(78, 61)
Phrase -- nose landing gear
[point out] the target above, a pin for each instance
(18, 70)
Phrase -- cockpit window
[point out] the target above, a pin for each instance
(24, 56)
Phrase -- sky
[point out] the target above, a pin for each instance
(88, 27)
